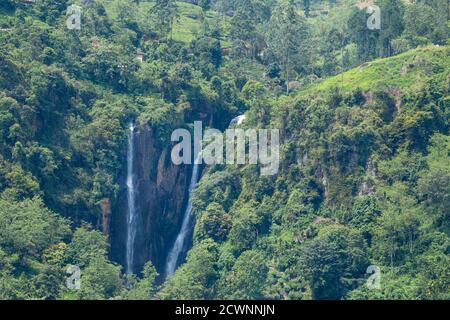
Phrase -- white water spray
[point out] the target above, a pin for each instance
(131, 194)
(238, 120)
(177, 248)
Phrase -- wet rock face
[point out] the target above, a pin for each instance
(105, 205)
(162, 191)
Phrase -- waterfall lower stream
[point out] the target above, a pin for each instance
(132, 213)
(131, 196)
(174, 253)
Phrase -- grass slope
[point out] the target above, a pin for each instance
(406, 70)
(188, 23)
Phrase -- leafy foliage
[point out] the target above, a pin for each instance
(365, 157)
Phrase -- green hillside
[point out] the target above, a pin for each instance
(406, 70)
(90, 189)
(188, 23)
(354, 189)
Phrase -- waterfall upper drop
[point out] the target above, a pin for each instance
(131, 197)
(174, 253)
(238, 120)
(160, 190)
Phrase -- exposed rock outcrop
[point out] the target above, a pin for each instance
(105, 205)
(368, 185)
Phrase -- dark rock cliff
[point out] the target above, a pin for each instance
(162, 191)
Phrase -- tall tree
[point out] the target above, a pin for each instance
(286, 36)
(391, 25)
(364, 38)
(163, 14)
(243, 27)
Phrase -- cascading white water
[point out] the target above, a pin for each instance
(174, 253)
(238, 120)
(131, 195)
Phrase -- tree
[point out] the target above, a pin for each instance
(247, 279)
(426, 21)
(364, 38)
(434, 183)
(86, 245)
(286, 37)
(28, 233)
(334, 261)
(256, 97)
(333, 42)
(245, 229)
(391, 25)
(364, 212)
(99, 280)
(397, 231)
(419, 22)
(434, 188)
(214, 222)
(434, 268)
(127, 14)
(144, 288)
(27, 228)
(196, 278)
(243, 27)
(208, 54)
(163, 14)
(323, 266)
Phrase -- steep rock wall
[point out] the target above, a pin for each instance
(162, 191)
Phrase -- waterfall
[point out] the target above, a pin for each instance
(238, 120)
(174, 253)
(131, 196)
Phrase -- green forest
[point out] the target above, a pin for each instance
(364, 176)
